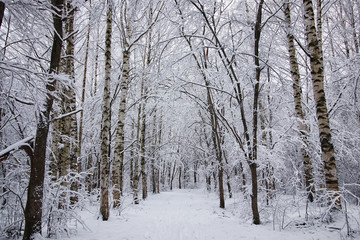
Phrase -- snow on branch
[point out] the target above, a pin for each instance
(67, 114)
(22, 144)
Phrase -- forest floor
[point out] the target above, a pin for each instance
(188, 215)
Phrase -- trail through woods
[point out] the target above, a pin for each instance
(186, 215)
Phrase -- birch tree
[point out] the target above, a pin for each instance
(105, 155)
(303, 127)
(83, 90)
(317, 76)
(65, 144)
(117, 174)
(128, 41)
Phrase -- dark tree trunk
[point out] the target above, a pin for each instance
(153, 176)
(221, 186)
(195, 173)
(228, 185)
(179, 177)
(2, 11)
(253, 153)
(254, 195)
(33, 209)
(243, 178)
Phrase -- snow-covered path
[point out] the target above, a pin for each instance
(185, 215)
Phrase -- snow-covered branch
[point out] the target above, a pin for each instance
(22, 144)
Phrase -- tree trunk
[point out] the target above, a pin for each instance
(153, 176)
(243, 178)
(180, 177)
(132, 156)
(154, 169)
(105, 138)
(160, 160)
(172, 175)
(65, 144)
(2, 11)
(303, 128)
(136, 174)
(254, 195)
(353, 25)
(216, 136)
(227, 173)
(158, 180)
(221, 186)
(94, 78)
(319, 28)
(83, 90)
(195, 173)
(253, 153)
(142, 150)
(317, 76)
(71, 101)
(120, 135)
(33, 209)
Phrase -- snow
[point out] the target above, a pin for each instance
(16, 146)
(185, 215)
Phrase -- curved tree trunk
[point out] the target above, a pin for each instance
(33, 209)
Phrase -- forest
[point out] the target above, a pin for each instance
(114, 105)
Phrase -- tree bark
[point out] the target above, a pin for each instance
(317, 76)
(120, 134)
(132, 155)
(243, 178)
(2, 11)
(33, 209)
(253, 153)
(105, 138)
(136, 175)
(94, 79)
(172, 174)
(154, 169)
(83, 89)
(179, 177)
(142, 149)
(64, 143)
(71, 101)
(297, 93)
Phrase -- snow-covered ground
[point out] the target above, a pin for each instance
(187, 215)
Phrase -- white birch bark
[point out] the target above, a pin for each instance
(297, 93)
(104, 205)
(317, 75)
